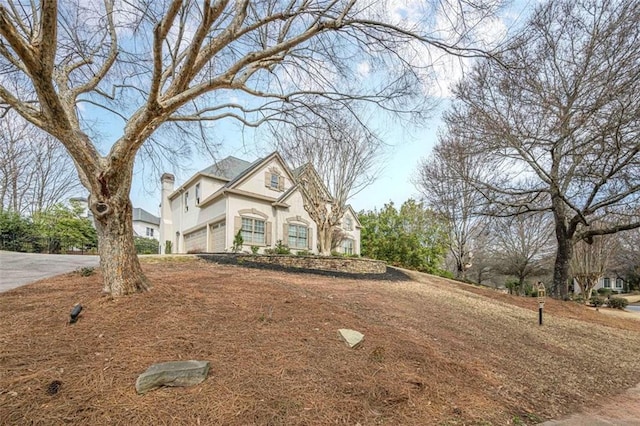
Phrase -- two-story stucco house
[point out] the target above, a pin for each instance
(262, 200)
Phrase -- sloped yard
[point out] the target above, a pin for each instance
(435, 352)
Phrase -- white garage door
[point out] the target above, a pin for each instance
(196, 241)
(217, 237)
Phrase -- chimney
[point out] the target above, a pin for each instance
(166, 219)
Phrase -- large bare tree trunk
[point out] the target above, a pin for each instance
(121, 270)
(562, 263)
(112, 211)
(53, 58)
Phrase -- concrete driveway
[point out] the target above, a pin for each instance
(17, 269)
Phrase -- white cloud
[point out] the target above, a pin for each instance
(364, 69)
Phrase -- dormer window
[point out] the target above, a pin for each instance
(274, 180)
(348, 224)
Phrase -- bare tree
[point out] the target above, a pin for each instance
(35, 170)
(559, 126)
(590, 261)
(627, 258)
(445, 181)
(344, 155)
(522, 245)
(482, 268)
(158, 65)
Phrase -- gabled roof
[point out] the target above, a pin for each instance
(227, 168)
(224, 170)
(354, 214)
(317, 180)
(246, 172)
(142, 215)
(251, 168)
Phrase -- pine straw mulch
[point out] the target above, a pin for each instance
(434, 352)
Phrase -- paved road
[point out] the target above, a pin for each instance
(17, 269)
(635, 308)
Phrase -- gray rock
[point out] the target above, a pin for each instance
(351, 337)
(173, 373)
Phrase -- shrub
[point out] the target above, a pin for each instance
(528, 289)
(335, 253)
(578, 298)
(146, 245)
(617, 302)
(304, 253)
(254, 249)
(281, 248)
(597, 301)
(513, 286)
(444, 273)
(237, 242)
(604, 292)
(16, 233)
(86, 271)
(167, 247)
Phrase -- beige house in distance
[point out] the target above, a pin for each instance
(262, 199)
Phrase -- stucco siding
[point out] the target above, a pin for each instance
(140, 229)
(208, 186)
(262, 211)
(256, 184)
(296, 214)
(353, 233)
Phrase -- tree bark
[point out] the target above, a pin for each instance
(324, 240)
(562, 262)
(121, 270)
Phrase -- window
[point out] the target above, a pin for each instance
(619, 282)
(197, 193)
(298, 236)
(347, 246)
(274, 181)
(607, 282)
(348, 224)
(252, 231)
(186, 201)
(149, 232)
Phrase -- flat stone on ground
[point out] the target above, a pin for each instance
(172, 373)
(351, 337)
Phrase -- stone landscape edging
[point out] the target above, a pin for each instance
(343, 266)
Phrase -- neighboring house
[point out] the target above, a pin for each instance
(145, 224)
(610, 280)
(261, 199)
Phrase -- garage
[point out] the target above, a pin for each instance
(196, 241)
(217, 237)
